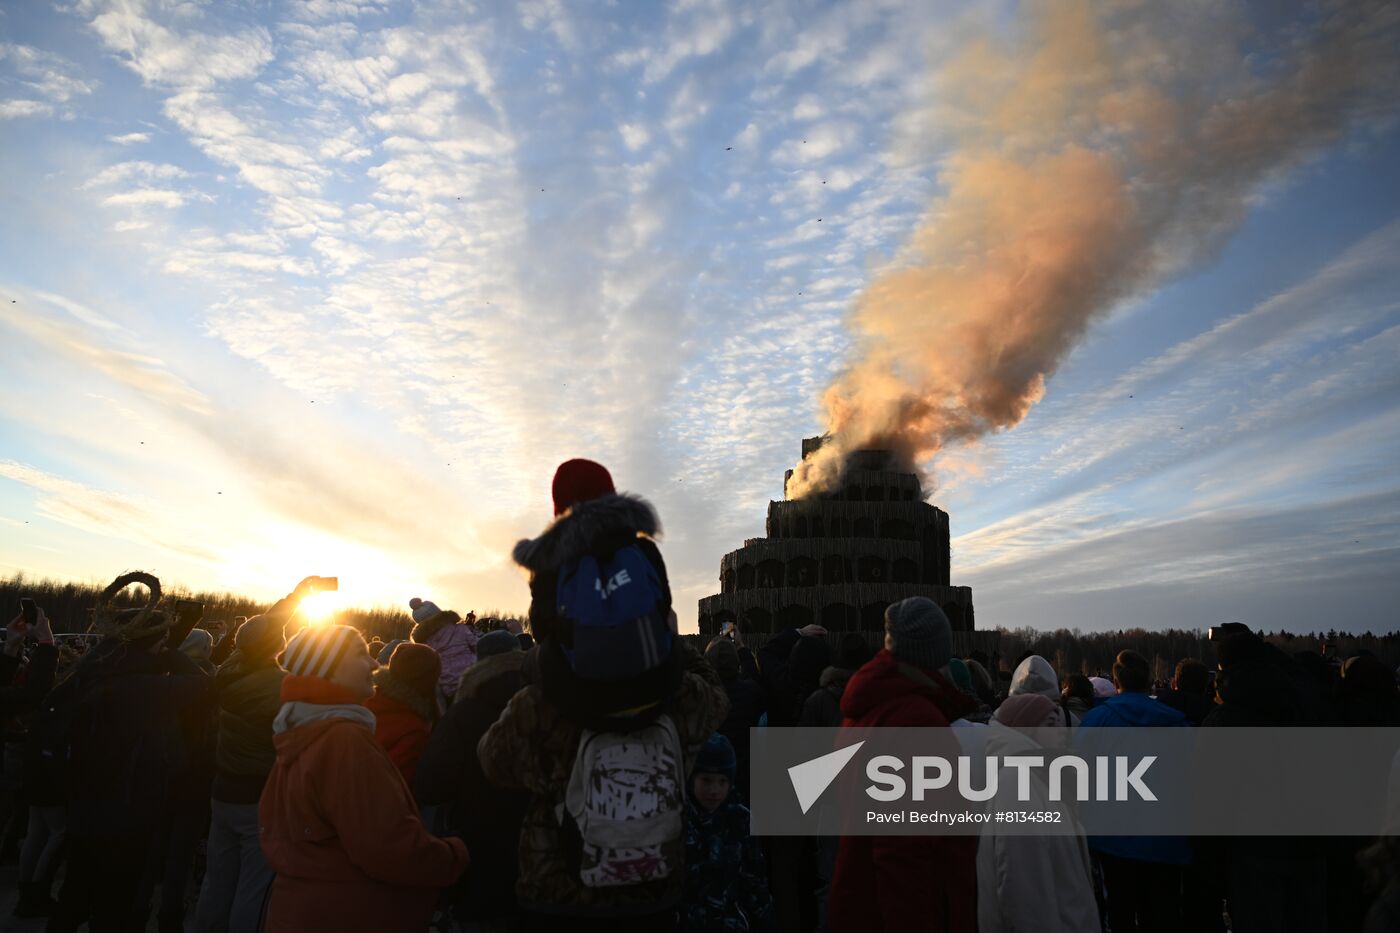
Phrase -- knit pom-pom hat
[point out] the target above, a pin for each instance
(428, 619)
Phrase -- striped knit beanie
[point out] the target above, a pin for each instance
(317, 649)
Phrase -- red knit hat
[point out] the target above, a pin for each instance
(578, 481)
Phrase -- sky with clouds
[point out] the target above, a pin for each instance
(331, 286)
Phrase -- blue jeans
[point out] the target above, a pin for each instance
(236, 876)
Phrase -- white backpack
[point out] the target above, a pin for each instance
(626, 796)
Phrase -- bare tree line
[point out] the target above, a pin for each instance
(67, 605)
(1068, 650)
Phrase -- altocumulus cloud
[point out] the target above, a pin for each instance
(375, 270)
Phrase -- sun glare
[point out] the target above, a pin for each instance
(319, 608)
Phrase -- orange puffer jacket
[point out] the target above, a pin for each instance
(341, 830)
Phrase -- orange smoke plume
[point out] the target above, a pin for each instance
(1110, 145)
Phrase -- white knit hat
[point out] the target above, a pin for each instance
(423, 609)
(317, 649)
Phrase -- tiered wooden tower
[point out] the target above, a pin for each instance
(841, 557)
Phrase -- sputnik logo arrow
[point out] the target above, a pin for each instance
(811, 778)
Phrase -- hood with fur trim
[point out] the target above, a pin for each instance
(424, 631)
(835, 679)
(480, 675)
(576, 531)
(423, 705)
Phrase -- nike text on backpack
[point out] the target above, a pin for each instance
(616, 609)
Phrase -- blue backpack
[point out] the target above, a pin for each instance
(617, 607)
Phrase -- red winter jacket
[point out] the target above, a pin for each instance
(342, 832)
(891, 884)
(400, 731)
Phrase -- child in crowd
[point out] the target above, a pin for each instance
(450, 636)
(405, 704)
(726, 884)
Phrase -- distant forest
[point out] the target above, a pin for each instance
(67, 605)
(1093, 652)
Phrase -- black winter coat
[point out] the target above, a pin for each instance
(44, 772)
(38, 678)
(1194, 706)
(746, 706)
(486, 816)
(122, 709)
(823, 706)
(790, 668)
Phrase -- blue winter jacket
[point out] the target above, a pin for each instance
(1138, 709)
(1132, 709)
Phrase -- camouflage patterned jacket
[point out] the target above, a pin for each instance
(533, 745)
(726, 883)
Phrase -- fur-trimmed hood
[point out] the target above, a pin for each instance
(475, 678)
(574, 533)
(835, 678)
(424, 706)
(425, 630)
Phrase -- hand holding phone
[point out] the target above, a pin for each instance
(15, 633)
(42, 630)
(188, 612)
(310, 585)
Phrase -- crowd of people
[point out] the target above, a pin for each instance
(593, 773)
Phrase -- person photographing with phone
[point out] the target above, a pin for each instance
(30, 623)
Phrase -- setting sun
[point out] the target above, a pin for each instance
(319, 608)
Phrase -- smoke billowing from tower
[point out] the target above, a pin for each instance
(1104, 148)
